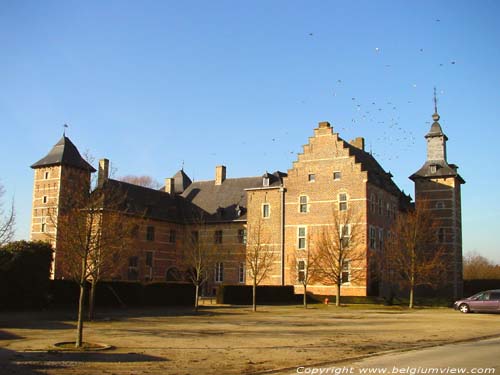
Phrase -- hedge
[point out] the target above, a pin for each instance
(242, 295)
(478, 285)
(124, 294)
(24, 274)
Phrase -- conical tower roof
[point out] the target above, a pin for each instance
(64, 152)
(181, 181)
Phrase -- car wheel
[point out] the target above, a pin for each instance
(464, 308)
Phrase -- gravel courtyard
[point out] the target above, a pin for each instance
(226, 340)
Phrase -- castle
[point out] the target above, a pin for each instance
(329, 173)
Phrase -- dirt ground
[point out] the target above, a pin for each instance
(227, 340)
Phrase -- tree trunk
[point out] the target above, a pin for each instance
(254, 291)
(79, 325)
(412, 287)
(305, 296)
(337, 299)
(92, 299)
(196, 297)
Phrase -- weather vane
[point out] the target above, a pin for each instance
(65, 126)
(435, 101)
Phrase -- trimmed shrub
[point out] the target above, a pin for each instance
(266, 294)
(124, 294)
(24, 274)
(472, 287)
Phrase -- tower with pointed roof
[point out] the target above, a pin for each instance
(438, 186)
(58, 176)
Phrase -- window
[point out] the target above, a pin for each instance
(150, 233)
(380, 206)
(46, 175)
(441, 236)
(311, 177)
(266, 210)
(345, 235)
(439, 204)
(433, 168)
(303, 203)
(45, 199)
(373, 203)
(241, 272)
(301, 235)
(242, 236)
(342, 202)
(44, 226)
(172, 236)
(301, 271)
(388, 209)
(346, 271)
(337, 176)
(218, 237)
(195, 237)
(133, 274)
(219, 272)
(149, 258)
(381, 238)
(265, 181)
(373, 240)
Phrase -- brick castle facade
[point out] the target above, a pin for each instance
(288, 209)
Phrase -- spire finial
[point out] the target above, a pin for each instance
(65, 126)
(435, 116)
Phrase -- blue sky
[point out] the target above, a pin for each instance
(155, 84)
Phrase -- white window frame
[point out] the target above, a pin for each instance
(346, 270)
(241, 272)
(341, 202)
(344, 234)
(264, 205)
(372, 238)
(302, 237)
(303, 204)
(219, 272)
(302, 270)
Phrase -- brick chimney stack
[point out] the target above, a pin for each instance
(103, 173)
(220, 174)
(170, 185)
(358, 143)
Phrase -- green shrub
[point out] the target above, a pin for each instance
(24, 274)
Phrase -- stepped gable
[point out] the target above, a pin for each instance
(64, 152)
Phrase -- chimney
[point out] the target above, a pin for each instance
(324, 124)
(220, 174)
(103, 173)
(170, 185)
(358, 143)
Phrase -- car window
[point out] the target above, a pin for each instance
(485, 297)
(478, 297)
(495, 296)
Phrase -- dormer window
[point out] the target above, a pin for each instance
(265, 181)
(433, 168)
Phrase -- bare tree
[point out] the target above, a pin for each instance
(260, 256)
(144, 180)
(477, 266)
(91, 237)
(304, 266)
(413, 255)
(340, 250)
(198, 256)
(7, 221)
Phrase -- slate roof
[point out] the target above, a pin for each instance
(376, 174)
(151, 203)
(442, 169)
(222, 203)
(181, 181)
(64, 152)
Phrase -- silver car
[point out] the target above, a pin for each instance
(488, 301)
